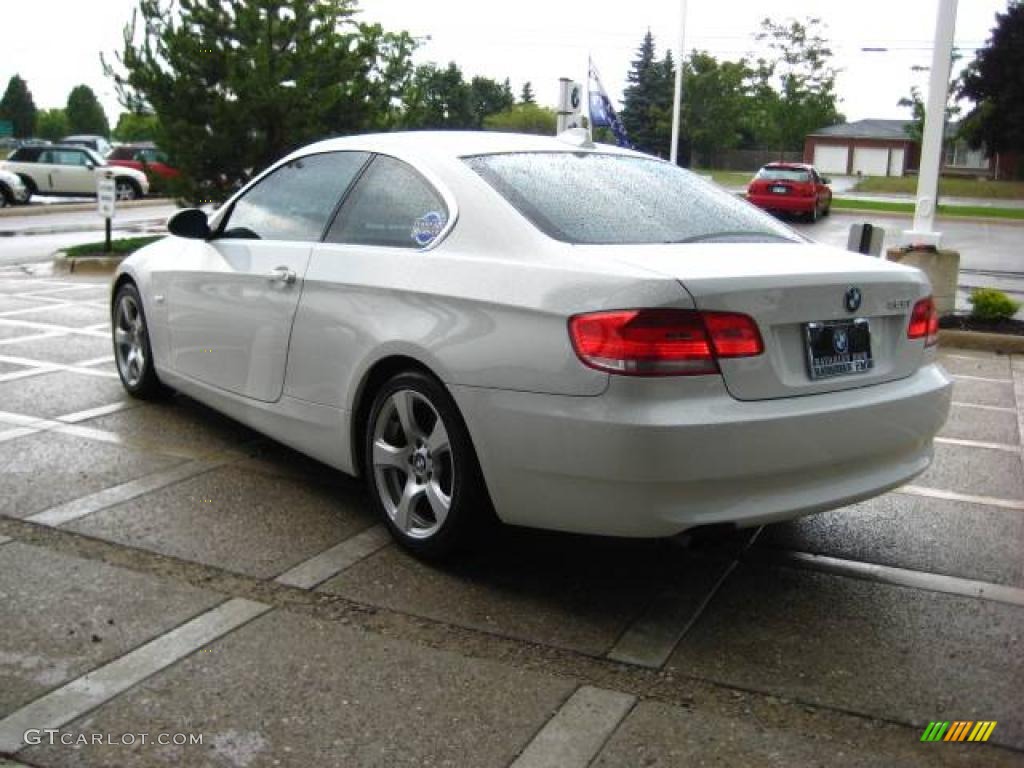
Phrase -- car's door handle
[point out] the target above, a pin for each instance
(281, 275)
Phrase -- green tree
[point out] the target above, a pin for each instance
(84, 113)
(526, 94)
(647, 100)
(136, 126)
(794, 93)
(523, 118)
(51, 124)
(438, 98)
(488, 97)
(236, 84)
(17, 107)
(915, 104)
(994, 81)
(714, 107)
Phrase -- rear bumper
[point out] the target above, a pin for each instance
(655, 457)
(784, 203)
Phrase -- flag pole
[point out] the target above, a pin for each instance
(678, 97)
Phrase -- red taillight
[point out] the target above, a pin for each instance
(662, 342)
(924, 322)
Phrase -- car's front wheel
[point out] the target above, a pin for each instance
(132, 351)
(421, 468)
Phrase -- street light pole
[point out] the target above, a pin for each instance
(934, 128)
(677, 99)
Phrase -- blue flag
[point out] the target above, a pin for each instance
(602, 113)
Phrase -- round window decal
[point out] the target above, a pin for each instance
(427, 227)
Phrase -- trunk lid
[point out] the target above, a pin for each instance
(784, 287)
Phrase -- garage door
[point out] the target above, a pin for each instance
(830, 158)
(896, 162)
(871, 161)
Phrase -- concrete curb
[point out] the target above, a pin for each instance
(1001, 343)
(43, 210)
(938, 217)
(89, 265)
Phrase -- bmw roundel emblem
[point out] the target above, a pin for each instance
(840, 341)
(852, 299)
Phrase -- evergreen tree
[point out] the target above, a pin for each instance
(84, 113)
(647, 100)
(236, 84)
(17, 107)
(526, 94)
(994, 81)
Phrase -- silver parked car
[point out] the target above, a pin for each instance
(578, 337)
(12, 189)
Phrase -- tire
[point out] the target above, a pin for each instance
(828, 209)
(126, 189)
(813, 215)
(6, 197)
(427, 486)
(132, 351)
(29, 185)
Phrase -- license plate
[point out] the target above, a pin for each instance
(780, 190)
(838, 348)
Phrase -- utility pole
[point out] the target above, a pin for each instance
(677, 99)
(934, 128)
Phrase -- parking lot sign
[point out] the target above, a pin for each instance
(106, 196)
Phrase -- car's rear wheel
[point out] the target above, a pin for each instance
(132, 351)
(6, 197)
(126, 189)
(421, 468)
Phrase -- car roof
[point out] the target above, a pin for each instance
(455, 143)
(799, 166)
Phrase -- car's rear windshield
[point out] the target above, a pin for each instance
(784, 174)
(605, 199)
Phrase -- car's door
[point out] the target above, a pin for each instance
(43, 170)
(231, 300)
(823, 192)
(353, 285)
(72, 172)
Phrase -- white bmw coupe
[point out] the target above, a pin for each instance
(569, 335)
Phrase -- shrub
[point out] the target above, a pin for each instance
(990, 304)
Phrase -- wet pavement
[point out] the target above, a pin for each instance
(167, 572)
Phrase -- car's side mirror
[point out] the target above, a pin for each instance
(826, 180)
(191, 223)
(90, 166)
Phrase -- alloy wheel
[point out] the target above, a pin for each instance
(413, 464)
(130, 341)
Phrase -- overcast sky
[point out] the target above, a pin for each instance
(55, 44)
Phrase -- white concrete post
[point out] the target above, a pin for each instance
(934, 128)
(677, 99)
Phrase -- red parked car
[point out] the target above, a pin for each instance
(791, 188)
(143, 157)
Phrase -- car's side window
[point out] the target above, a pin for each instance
(295, 201)
(391, 205)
